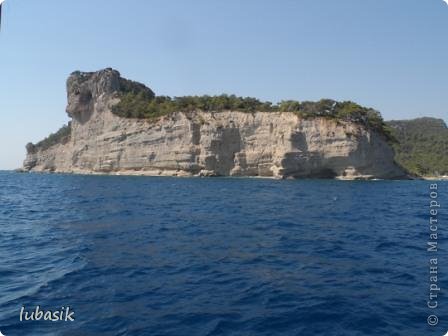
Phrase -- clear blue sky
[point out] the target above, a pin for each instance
(388, 54)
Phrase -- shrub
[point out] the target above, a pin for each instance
(60, 137)
(138, 102)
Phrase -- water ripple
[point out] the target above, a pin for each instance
(164, 256)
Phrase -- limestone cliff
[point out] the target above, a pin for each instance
(274, 144)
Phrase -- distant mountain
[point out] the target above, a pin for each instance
(422, 145)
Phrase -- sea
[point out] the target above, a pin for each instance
(222, 256)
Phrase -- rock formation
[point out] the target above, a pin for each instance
(274, 144)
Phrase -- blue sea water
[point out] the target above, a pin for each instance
(219, 256)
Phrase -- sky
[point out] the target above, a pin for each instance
(391, 55)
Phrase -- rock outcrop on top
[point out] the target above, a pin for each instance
(230, 143)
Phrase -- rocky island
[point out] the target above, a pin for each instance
(121, 127)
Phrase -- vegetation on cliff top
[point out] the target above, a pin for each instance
(422, 145)
(144, 106)
(60, 137)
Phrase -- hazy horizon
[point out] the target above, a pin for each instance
(387, 55)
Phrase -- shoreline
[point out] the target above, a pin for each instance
(435, 178)
(183, 174)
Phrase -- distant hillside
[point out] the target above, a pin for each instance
(422, 146)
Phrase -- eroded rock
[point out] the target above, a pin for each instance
(270, 144)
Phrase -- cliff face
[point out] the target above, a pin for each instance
(276, 144)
